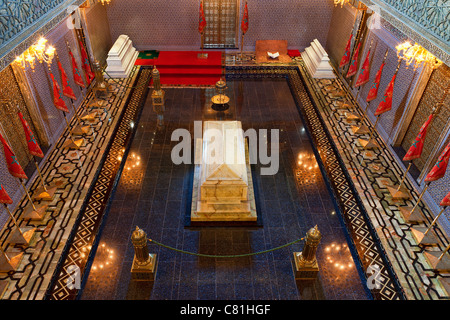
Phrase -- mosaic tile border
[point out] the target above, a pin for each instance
(363, 235)
(84, 234)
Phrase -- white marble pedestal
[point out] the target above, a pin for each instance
(121, 58)
(317, 61)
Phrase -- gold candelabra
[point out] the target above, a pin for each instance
(40, 51)
(416, 55)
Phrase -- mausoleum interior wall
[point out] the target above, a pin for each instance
(51, 119)
(173, 25)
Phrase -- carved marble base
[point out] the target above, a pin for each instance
(73, 144)
(362, 129)
(304, 271)
(121, 58)
(144, 272)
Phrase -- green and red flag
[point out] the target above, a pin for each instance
(446, 201)
(201, 19)
(386, 103)
(4, 197)
(244, 23)
(373, 92)
(85, 65)
(57, 99)
(346, 57)
(67, 90)
(415, 151)
(364, 72)
(440, 167)
(33, 147)
(354, 64)
(13, 165)
(77, 78)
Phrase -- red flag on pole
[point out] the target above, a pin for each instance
(85, 64)
(33, 147)
(4, 197)
(365, 72)
(67, 90)
(415, 151)
(446, 201)
(386, 103)
(14, 167)
(201, 19)
(354, 65)
(346, 57)
(373, 92)
(76, 73)
(440, 167)
(244, 23)
(57, 99)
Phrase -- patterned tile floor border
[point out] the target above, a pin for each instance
(73, 172)
(83, 242)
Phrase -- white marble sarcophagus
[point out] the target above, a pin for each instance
(223, 187)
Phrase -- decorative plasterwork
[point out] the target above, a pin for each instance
(425, 21)
(22, 22)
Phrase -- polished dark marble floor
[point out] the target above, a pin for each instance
(155, 193)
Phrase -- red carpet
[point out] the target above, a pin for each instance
(185, 68)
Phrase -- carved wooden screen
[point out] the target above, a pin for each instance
(222, 20)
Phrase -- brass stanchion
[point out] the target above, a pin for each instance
(423, 235)
(399, 192)
(144, 263)
(305, 262)
(32, 213)
(411, 214)
(70, 143)
(439, 260)
(18, 236)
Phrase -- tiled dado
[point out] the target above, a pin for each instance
(83, 240)
(73, 172)
(369, 254)
(371, 171)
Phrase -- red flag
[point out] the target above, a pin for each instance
(76, 73)
(33, 147)
(415, 151)
(373, 92)
(67, 90)
(57, 99)
(244, 23)
(386, 103)
(85, 64)
(14, 167)
(201, 19)
(446, 201)
(440, 167)
(4, 197)
(365, 72)
(346, 57)
(354, 65)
